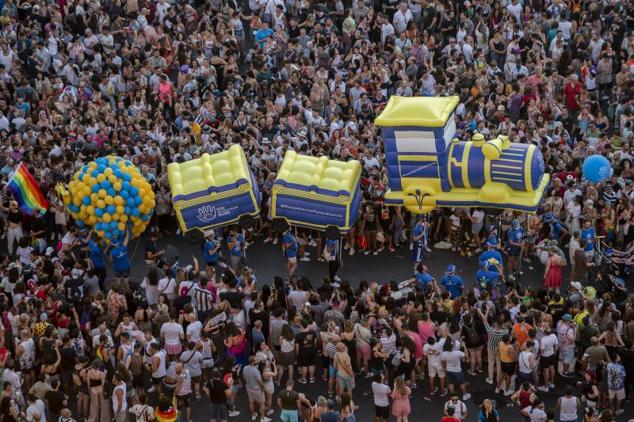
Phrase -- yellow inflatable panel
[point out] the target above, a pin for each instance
(213, 190)
(316, 192)
(411, 111)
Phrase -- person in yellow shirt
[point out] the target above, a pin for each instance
(508, 355)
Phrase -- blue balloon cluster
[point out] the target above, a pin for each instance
(596, 168)
(111, 196)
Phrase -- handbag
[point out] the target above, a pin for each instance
(380, 236)
(362, 242)
(396, 358)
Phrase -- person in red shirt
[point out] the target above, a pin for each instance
(450, 417)
(572, 90)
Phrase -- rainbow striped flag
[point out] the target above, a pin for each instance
(27, 192)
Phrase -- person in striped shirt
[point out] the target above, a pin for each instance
(495, 334)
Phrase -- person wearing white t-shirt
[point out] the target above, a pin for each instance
(381, 393)
(401, 18)
(547, 350)
(452, 361)
(193, 331)
(172, 334)
(433, 350)
(459, 408)
(386, 29)
(535, 413)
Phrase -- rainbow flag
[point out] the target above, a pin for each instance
(27, 192)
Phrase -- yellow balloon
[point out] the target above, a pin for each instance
(92, 220)
(86, 177)
(120, 209)
(102, 193)
(77, 200)
(107, 218)
(94, 197)
(101, 203)
(112, 178)
(116, 216)
(101, 177)
(109, 200)
(92, 165)
(117, 186)
(90, 210)
(121, 226)
(92, 181)
(118, 200)
(124, 218)
(108, 170)
(87, 190)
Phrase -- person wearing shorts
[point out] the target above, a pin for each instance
(290, 246)
(255, 388)
(432, 351)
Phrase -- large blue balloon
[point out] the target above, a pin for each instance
(596, 168)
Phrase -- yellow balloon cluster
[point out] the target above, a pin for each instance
(111, 196)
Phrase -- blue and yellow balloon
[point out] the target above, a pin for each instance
(111, 195)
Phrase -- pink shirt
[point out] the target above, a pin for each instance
(426, 330)
(418, 343)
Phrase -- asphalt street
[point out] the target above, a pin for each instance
(267, 261)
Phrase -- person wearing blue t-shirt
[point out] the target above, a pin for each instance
(211, 249)
(331, 255)
(588, 233)
(556, 229)
(119, 257)
(451, 282)
(236, 246)
(423, 279)
(290, 247)
(493, 256)
(419, 241)
(97, 259)
(262, 34)
(515, 237)
(486, 279)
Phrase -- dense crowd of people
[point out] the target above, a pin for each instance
(157, 81)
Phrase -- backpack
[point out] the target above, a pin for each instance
(472, 334)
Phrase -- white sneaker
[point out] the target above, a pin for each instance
(151, 389)
(254, 416)
(265, 419)
(275, 241)
(508, 393)
(312, 243)
(304, 259)
(375, 253)
(337, 279)
(267, 240)
(306, 253)
(466, 396)
(234, 413)
(489, 381)
(366, 253)
(270, 412)
(351, 252)
(543, 388)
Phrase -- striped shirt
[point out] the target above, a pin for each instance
(185, 386)
(495, 336)
(203, 300)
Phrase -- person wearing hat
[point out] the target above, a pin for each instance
(556, 229)
(119, 256)
(487, 279)
(515, 237)
(451, 282)
(97, 261)
(493, 256)
(567, 338)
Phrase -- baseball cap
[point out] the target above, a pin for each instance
(567, 317)
(492, 241)
(451, 268)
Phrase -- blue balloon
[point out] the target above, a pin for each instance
(107, 234)
(94, 173)
(86, 200)
(134, 190)
(126, 186)
(126, 177)
(136, 212)
(124, 194)
(131, 201)
(145, 217)
(116, 232)
(596, 168)
(114, 225)
(98, 212)
(73, 208)
(80, 223)
(95, 188)
(128, 210)
(118, 173)
(111, 191)
(111, 209)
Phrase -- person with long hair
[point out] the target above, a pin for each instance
(488, 412)
(400, 395)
